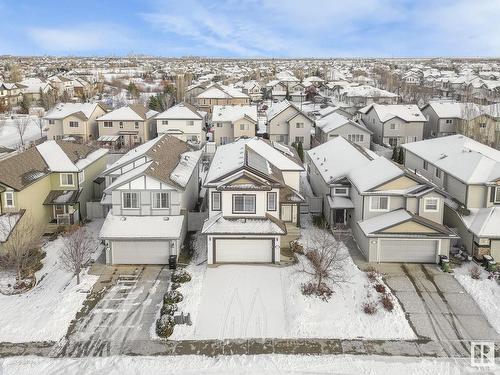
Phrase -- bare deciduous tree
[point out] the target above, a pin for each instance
(38, 120)
(23, 236)
(324, 263)
(21, 124)
(77, 250)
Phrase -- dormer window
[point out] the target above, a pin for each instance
(431, 204)
(341, 191)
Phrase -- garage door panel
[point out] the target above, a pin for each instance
(243, 250)
(408, 251)
(140, 252)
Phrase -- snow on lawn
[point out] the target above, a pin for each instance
(45, 312)
(342, 315)
(485, 292)
(252, 364)
(9, 135)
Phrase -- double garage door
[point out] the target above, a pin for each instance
(243, 250)
(140, 252)
(408, 251)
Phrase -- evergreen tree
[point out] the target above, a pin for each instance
(300, 151)
(25, 104)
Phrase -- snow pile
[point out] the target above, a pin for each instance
(485, 292)
(252, 364)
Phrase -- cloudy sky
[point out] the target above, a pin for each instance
(251, 28)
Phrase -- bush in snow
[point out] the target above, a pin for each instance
(165, 326)
(319, 221)
(296, 247)
(475, 272)
(171, 297)
(323, 291)
(369, 308)
(372, 273)
(180, 276)
(380, 288)
(175, 286)
(386, 301)
(168, 309)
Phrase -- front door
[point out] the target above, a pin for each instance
(339, 216)
(286, 212)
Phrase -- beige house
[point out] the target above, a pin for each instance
(336, 125)
(183, 121)
(287, 124)
(10, 94)
(52, 182)
(73, 120)
(220, 95)
(469, 173)
(127, 126)
(233, 122)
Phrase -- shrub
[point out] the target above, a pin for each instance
(175, 286)
(168, 309)
(165, 326)
(319, 221)
(171, 297)
(475, 272)
(369, 308)
(322, 291)
(387, 302)
(180, 276)
(372, 273)
(296, 247)
(380, 288)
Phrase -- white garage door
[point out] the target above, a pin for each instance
(243, 251)
(140, 252)
(408, 251)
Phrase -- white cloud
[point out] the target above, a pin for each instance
(85, 37)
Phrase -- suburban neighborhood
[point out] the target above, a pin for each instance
(175, 212)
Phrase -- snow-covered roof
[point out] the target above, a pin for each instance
(462, 157)
(133, 154)
(182, 111)
(55, 157)
(184, 170)
(222, 92)
(406, 112)
(379, 222)
(366, 91)
(142, 227)
(90, 158)
(339, 202)
(220, 225)
(484, 222)
(63, 110)
(233, 113)
(126, 113)
(334, 121)
(374, 173)
(277, 108)
(279, 155)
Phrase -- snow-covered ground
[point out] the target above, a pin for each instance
(258, 365)
(45, 312)
(485, 292)
(242, 303)
(9, 136)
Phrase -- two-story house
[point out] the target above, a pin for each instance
(253, 200)
(287, 124)
(149, 191)
(393, 125)
(74, 120)
(52, 182)
(220, 95)
(11, 94)
(469, 173)
(127, 126)
(394, 215)
(253, 90)
(334, 125)
(232, 122)
(183, 121)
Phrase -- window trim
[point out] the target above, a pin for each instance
(244, 196)
(495, 194)
(73, 124)
(154, 199)
(10, 193)
(437, 173)
(275, 195)
(66, 174)
(107, 124)
(346, 194)
(428, 199)
(426, 165)
(218, 193)
(378, 209)
(81, 173)
(138, 200)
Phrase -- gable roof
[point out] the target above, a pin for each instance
(386, 112)
(63, 110)
(233, 113)
(335, 120)
(133, 112)
(374, 173)
(181, 111)
(279, 107)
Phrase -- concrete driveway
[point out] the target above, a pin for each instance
(125, 314)
(437, 307)
(241, 301)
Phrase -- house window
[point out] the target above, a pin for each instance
(136, 124)
(219, 125)
(379, 203)
(66, 179)
(216, 201)
(108, 124)
(164, 122)
(431, 204)
(393, 141)
(299, 125)
(52, 122)
(299, 139)
(482, 125)
(160, 200)
(9, 199)
(190, 123)
(243, 203)
(81, 176)
(271, 201)
(130, 200)
(426, 165)
(393, 126)
(121, 124)
(497, 195)
(73, 124)
(242, 126)
(449, 121)
(438, 173)
(340, 191)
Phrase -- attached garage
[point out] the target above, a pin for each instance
(140, 252)
(243, 250)
(408, 251)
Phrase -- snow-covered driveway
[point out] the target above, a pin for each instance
(241, 302)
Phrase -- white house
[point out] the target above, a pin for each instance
(254, 201)
(335, 125)
(231, 122)
(149, 191)
(183, 121)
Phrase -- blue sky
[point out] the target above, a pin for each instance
(251, 28)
